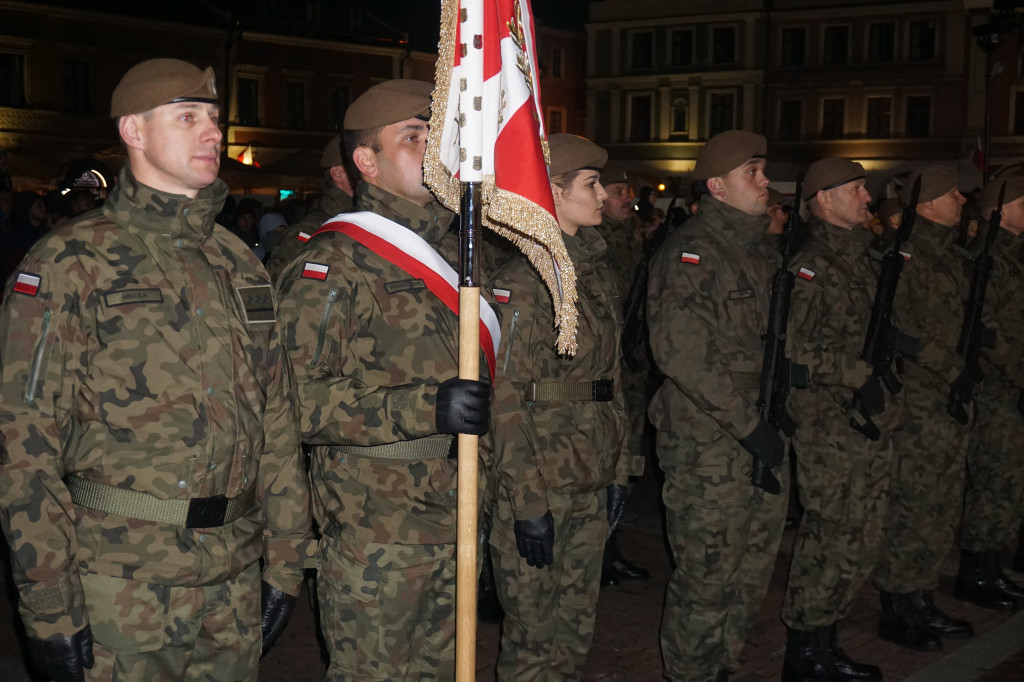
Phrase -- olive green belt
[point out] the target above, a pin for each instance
(198, 512)
(746, 380)
(428, 447)
(599, 391)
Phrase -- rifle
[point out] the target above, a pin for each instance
(883, 341)
(779, 373)
(634, 330)
(973, 333)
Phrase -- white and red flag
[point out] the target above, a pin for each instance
(486, 126)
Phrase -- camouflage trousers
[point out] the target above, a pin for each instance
(926, 498)
(156, 633)
(634, 392)
(387, 612)
(995, 474)
(843, 483)
(725, 536)
(550, 611)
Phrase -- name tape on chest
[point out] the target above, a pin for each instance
(27, 283)
(129, 296)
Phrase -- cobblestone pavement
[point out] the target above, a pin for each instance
(626, 640)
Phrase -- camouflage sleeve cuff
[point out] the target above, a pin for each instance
(744, 430)
(285, 560)
(527, 502)
(53, 609)
(628, 465)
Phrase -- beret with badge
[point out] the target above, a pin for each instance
(935, 181)
(727, 151)
(156, 82)
(829, 173)
(389, 102)
(571, 152)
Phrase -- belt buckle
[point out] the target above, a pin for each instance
(602, 390)
(206, 512)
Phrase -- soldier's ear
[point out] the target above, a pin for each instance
(365, 160)
(716, 187)
(129, 129)
(556, 193)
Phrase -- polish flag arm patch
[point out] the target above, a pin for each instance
(688, 257)
(906, 256)
(806, 273)
(27, 283)
(303, 237)
(502, 295)
(315, 271)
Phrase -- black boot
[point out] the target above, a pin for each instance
(616, 564)
(935, 621)
(488, 608)
(898, 623)
(813, 656)
(976, 582)
(1003, 581)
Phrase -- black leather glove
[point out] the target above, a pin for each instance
(535, 540)
(765, 444)
(617, 495)
(63, 659)
(277, 607)
(871, 396)
(963, 385)
(463, 406)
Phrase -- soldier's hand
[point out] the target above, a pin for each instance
(871, 396)
(276, 609)
(617, 495)
(765, 444)
(63, 659)
(535, 540)
(463, 406)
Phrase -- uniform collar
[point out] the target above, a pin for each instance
(431, 222)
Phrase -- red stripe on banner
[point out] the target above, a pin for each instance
(517, 151)
(435, 282)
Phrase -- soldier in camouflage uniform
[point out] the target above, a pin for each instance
(842, 475)
(149, 446)
(708, 300)
(619, 228)
(375, 352)
(930, 449)
(559, 429)
(995, 481)
(337, 198)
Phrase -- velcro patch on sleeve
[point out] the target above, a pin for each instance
(502, 295)
(304, 237)
(257, 302)
(313, 270)
(806, 273)
(688, 257)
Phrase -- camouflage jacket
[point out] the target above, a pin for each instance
(707, 310)
(930, 301)
(147, 358)
(624, 251)
(830, 308)
(333, 202)
(568, 446)
(1003, 365)
(370, 346)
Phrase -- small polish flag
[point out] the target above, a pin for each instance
(304, 237)
(906, 256)
(806, 273)
(315, 271)
(27, 283)
(688, 257)
(502, 295)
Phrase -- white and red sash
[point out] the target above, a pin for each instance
(405, 249)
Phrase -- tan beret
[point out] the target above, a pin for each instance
(610, 177)
(990, 194)
(332, 153)
(155, 82)
(935, 181)
(726, 151)
(775, 196)
(829, 173)
(389, 102)
(571, 152)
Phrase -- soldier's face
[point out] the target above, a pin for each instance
(1013, 216)
(849, 204)
(946, 209)
(745, 188)
(581, 204)
(399, 163)
(177, 147)
(619, 204)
